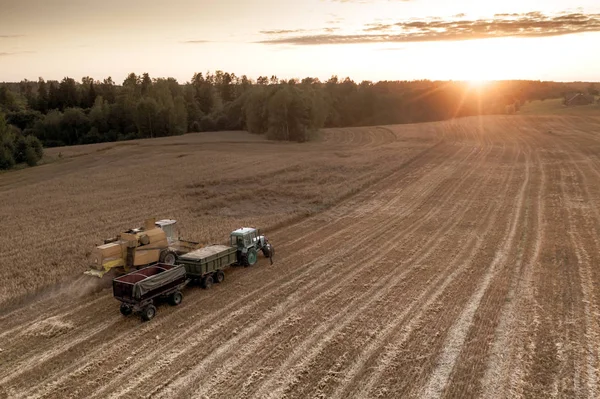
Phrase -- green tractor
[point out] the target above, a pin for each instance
(248, 242)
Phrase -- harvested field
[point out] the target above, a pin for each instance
(450, 259)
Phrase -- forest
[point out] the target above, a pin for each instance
(68, 112)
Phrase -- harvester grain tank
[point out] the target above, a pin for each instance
(139, 247)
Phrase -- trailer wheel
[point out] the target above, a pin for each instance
(168, 257)
(125, 309)
(176, 298)
(219, 276)
(148, 313)
(207, 282)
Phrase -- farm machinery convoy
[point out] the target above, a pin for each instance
(139, 290)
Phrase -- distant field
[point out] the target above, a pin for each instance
(456, 259)
(555, 107)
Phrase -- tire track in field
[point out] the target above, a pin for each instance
(504, 365)
(368, 370)
(456, 337)
(549, 374)
(244, 309)
(469, 370)
(577, 194)
(470, 366)
(569, 378)
(347, 276)
(436, 284)
(414, 358)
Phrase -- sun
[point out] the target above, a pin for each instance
(478, 83)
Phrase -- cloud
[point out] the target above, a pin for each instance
(197, 41)
(289, 31)
(7, 54)
(533, 24)
(10, 36)
(378, 27)
(281, 31)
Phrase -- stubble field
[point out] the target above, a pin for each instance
(451, 259)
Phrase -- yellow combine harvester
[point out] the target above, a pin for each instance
(135, 248)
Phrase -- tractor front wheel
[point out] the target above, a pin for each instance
(125, 309)
(251, 257)
(207, 282)
(148, 313)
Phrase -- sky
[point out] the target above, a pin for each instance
(363, 39)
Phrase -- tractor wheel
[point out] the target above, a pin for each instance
(207, 282)
(219, 276)
(251, 257)
(125, 309)
(176, 298)
(148, 313)
(168, 257)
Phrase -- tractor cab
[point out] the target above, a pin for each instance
(244, 238)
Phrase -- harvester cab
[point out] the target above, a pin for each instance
(168, 226)
(248, 241)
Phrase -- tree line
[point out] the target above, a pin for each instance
(68, 112)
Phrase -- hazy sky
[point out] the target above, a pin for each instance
(363, 39)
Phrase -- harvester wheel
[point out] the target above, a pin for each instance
(219, 276)
(251, 257)
(125, 309)
(168, 257)
(207, 282)
(148, 313)
(176, 298)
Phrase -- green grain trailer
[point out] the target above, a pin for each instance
(207, 264)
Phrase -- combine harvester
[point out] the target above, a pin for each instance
(140, 247)
(138, 290)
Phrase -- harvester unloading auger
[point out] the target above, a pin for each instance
(143, 246)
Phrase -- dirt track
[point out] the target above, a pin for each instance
(470, 269)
